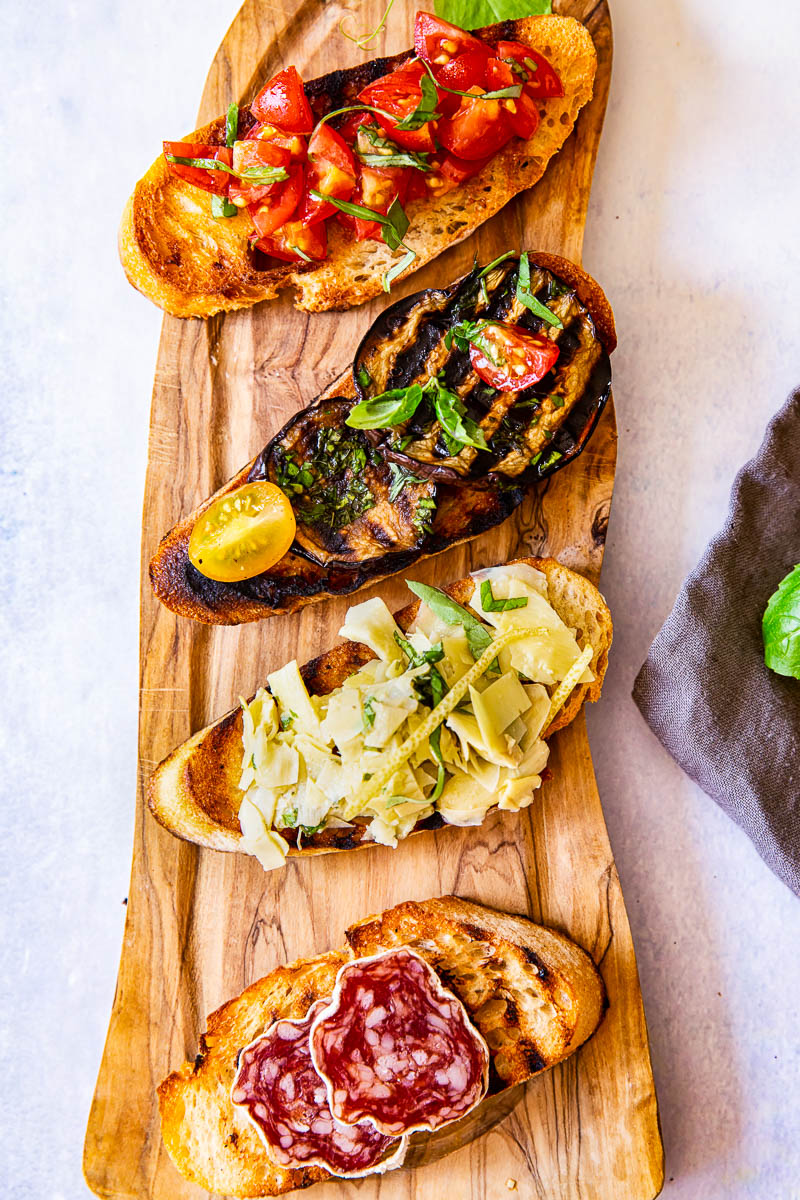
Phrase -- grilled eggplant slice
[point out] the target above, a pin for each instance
(367, 506)
(529, 433)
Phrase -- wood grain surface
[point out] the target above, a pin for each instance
(201, 925)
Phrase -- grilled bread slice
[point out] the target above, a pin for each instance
(194, 793)
(534, 995)
(193, 265)
(463, 511)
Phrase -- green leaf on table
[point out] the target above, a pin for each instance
(781, 627)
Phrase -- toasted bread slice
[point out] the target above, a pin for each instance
(463, 511)
(195, 794)
(534, 995)
(193, 265)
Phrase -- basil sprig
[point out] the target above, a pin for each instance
(781, 627)
(470, 333)
(399, 404)
(489, 602)
(474, 14)
(388, 153)
(453, 613)
(526, 296)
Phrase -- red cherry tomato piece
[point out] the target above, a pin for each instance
(295, 143)
(283, 103)
(509, 358)
(377, 188)
(209, 181)
(331, 170)
(294, 240)
(477, 129)
(466, 71)
(273, 210)
(438, 41)
(458, 170)
(399, 93)
(254, 156)
(543, 82)
(521, 111)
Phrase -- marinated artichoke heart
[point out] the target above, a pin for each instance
(306, 759)
(529, 433)
(351, 505)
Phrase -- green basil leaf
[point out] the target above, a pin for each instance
(453, 613)
(454, 420)
(231, 124)
(425, 110)
(490, 604)
(222, 207)
(398, 268)
(511, 93)
(396, 226)
(400, 479)
(474, 14)
(368, 713)
(781, 627)
(526, 296)
(389, 153)
(262, 175)
(388, 408)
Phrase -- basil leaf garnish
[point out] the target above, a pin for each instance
(231, 124)
(398, 268)
(453, 613)
(426, 109)
(222, 207)
(388, 408)
(454, 422)
(474, 14)
(489, 603)
(781, 627)
(526, 296)
(389, 153)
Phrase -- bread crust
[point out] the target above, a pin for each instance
(193, 265)
(194, 792)
(534, 995)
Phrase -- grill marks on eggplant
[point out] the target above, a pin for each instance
(351, 505)
(407, 345)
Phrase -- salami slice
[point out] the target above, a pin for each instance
(397, 1048)
(286, 1100)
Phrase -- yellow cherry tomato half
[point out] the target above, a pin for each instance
(242, 533)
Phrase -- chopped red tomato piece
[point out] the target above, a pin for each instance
(463, 72)
(209, 181)
(331, 170)
(295, 242)
(458, 170)
(283, 103)
(399, 94)
(521, 111)
(295, 143)
(540, 78)
(250, 157)
(275, 209)
(348, 130)
(477, 129)
(377, 188)
(509, 358)
(438, 41)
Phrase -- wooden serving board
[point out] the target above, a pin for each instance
(202, 925)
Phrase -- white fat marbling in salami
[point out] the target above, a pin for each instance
(286, 1100)
(397, 1048)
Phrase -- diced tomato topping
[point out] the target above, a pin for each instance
(438, 41)
(283, 103)
(331, 170)
(295, 143)
(466, 71)
(348, 130)
(477, 129)
(510, 358)
(377, 188)
(255, 156)
(458, 170)
(540, 78)
(209, 181)
(275, 209)
(399, 93)
(521, 111)
(295, 240)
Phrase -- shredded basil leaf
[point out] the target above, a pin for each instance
(389, 154)
(363, 376)
(781, 627)
(231, 124)
(453, 613)
(368, 713)
(426, 109)
(258, 175)
(398, 268)
(287, 718)
(490, 604)
(507, 93)
(222, 207)
(526, 296)
(455, 423)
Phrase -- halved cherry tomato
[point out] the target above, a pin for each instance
(275, 209)
(438, 41)
(331, 170)
(295, 143)
(399, 93)
(377, 188)
(458, 170)
(242, 533)
(521, 111)
(509, 358)
(543, 81)
(209, 181)
(254, 156)
(461, 73)
(294, 240)
(478, 128)
(283, 103)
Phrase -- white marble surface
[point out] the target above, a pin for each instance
(693, 230)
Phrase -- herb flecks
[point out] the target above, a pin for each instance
(329, 487)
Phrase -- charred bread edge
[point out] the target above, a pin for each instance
(504, 177)
(171, 795)
(553, 958)
(166, 565)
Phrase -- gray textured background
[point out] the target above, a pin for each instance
(693, 232)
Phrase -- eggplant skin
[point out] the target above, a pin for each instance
(464, 509)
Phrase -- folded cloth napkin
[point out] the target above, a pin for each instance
(733, 725)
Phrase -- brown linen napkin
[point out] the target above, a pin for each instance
(733, 725)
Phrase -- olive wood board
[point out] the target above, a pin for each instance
(201, 925)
